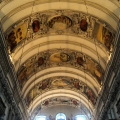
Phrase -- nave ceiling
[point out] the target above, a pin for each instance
(60, 49)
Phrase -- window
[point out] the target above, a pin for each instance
(60, 116)
(80, 117)
(40, 118)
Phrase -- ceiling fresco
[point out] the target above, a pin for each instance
(60, 50)
(60, 22)
(57, 58)
(61, 83)
(61, 101)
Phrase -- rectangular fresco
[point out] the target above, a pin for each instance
(17, 35)
(103, 35)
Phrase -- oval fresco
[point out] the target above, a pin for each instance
(60, 57)
(36, 26)
(83, 25)
(66, 58)
(40, 61)
(80, 60)
(60, 83)
(60, 22)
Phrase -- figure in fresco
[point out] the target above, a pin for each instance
(12, 40)
(40, 61)
(98, 73)
(44, 84)
(90, 65)
(32, 94)
(36, 26)
(59, 83)
(91, 95)
(77, 85)
(103, 35)
(83, 25)
(28, 99)
(108, 40)
(22, 76)
(30, 70)
(17, 35)
(60, 57)
(46, 103)
(60, 22)
(80, 60)
(64, 57)
(75, 102)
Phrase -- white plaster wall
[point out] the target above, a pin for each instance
(67, 110)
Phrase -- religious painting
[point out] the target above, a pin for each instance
(60, 22)
(60, 83)
(25, 71)
(94, 69)
(80, 60)
(98, 73)
(36, 26)
(103, 35)
(32, 94)
(90, 94)
(44, 84)
(60, 57)
(57, 101)
(77, 85)
(22, 76)
(64, 83)
(75, 102)
(90, 65)
(45, 103)
(83, 25)
(40, 61)
(17, 35)
(12, 40)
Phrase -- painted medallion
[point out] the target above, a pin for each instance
(36, 26)
(60, 22)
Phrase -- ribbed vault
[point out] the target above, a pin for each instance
(60, 48)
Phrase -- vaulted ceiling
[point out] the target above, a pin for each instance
(60, 49)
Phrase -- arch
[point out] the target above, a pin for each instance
(60, 116)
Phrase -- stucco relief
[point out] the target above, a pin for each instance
(60, 100)
(61, 83)
(61, 22)
(56, 57)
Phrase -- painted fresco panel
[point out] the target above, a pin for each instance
(36, 26)
(83, 25)
(17, 35)
(61, 83)
(103, 35)
(59, 57)
(60, 22)
(56, 22)
(52, 59)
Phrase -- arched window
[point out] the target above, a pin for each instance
(40, 118)
(60, 116)
(80, 117)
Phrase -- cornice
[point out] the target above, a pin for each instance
(109, 93)
(8, 94)
(4, 2)
(9, 89)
